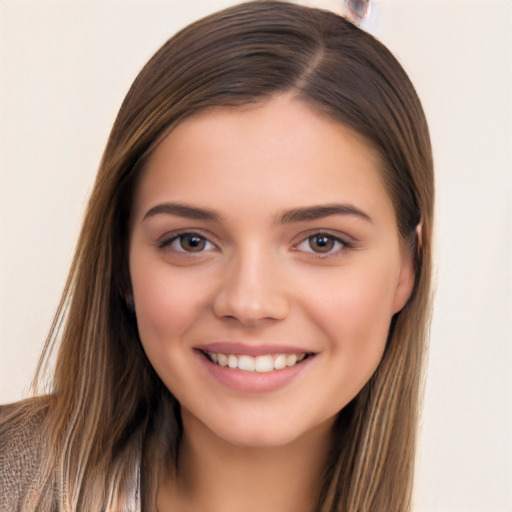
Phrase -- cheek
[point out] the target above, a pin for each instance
(166, 303)
(367, 303)
(167, 306)
(356, 316)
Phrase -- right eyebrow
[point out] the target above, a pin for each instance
(321, 211)
(182, 210)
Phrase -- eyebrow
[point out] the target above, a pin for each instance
(295, 215)
(181, 210)
(321, 211)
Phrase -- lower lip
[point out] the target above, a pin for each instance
(254, 382)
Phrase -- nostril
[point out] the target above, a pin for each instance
(250, 311)
(249, 291)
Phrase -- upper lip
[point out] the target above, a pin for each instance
(228, 347)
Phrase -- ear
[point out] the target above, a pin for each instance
(410, 254)
(129, 301)
(405, 282)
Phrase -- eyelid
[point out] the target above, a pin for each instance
(169, 238)
(346, 242)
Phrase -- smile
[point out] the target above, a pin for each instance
(262, 364)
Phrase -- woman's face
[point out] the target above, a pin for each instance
(266, 267)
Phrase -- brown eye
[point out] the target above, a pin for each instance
(192, 243)
(186, 243)
(321, 243)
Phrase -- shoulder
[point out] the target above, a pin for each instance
(20, 429)
(21, 437)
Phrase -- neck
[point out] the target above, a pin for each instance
(218, 476)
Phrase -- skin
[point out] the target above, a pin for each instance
(261, 277)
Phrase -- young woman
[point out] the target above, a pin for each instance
(244, 324)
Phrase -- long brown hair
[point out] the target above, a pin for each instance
(111, 423)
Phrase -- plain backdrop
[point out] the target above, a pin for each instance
(64, 69)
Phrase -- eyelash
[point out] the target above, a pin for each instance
(179, 237)
(339, 244)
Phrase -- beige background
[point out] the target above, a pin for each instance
(64, 69)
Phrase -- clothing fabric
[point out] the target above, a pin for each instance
(20, 457)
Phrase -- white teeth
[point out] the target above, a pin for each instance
(291, 359)
(247, 363)
(261, 364)
(280, 362)
(264, 364)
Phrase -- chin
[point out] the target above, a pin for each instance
(260, 439)
(262, 433)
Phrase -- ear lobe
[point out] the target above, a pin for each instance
(405, 284)
(129, 301)
(407, 275)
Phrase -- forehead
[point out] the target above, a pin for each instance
(277, 154)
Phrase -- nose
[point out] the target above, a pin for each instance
(252, 291)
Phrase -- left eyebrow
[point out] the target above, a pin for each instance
(182, 210)
(321, 211)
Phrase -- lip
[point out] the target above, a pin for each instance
(251, 350)
(253, 382)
